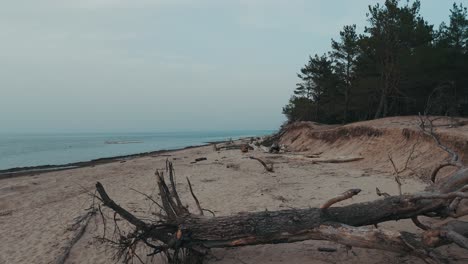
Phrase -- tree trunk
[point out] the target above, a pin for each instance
(290, 225)
(345, 114)
(380, 108)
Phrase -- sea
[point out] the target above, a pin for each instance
(26, 150)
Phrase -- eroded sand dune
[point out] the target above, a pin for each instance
(37, 211)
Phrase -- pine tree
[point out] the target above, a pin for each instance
(400, 65)
(345, 55)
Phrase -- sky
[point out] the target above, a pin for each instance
(163, 65)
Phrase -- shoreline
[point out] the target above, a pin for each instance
(40, 169)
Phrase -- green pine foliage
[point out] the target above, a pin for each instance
(399, 65)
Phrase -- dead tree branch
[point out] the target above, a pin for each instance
(344, 160)
(346, 195)
(170, 170)
(438, 168)
(418, 223)
(195, 197)
(267, 168)
(427, 127)
(380, 193)
(79, 226)
(107, 201)
(397, 173)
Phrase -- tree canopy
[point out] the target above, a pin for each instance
(399, 65)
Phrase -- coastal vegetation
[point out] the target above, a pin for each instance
(400, 65)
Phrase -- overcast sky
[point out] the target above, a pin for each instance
(152, 65)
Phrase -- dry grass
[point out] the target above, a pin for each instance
(346, 132)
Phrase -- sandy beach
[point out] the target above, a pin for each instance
(37, 211)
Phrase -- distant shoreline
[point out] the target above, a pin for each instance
(34, 170)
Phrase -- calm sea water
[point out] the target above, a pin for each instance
(58, 149)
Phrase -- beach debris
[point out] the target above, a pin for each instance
(344, 196)
(200, 210)
(198, 160)
(380, 193)
(230, 145)
(275, 148)
(6, 212)
(315, 158)
(233, 166)
(339, 160)
(326, 249)
(244, 148)
(264, 149)
(78, 226)
(268, 168)
(314, 155)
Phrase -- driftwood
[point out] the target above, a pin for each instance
(232, 146)
(346, 195)
(186, 237)
(79, 227)
(198, 160)
(344, 160)
(268, 168)
(315, 158)
(427, 127)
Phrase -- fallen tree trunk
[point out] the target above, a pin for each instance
(263, 225)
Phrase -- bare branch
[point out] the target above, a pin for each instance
(80, 224)
(122, 212)
(148, 197)
(267, 168)
(200, 210)
(438, 168)
(397, 179)
(168, 204)
(379, 193)
(346, 195)
(417, 223)
(454, 161)
(173, 185)
(397, 173)
(413, 148)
